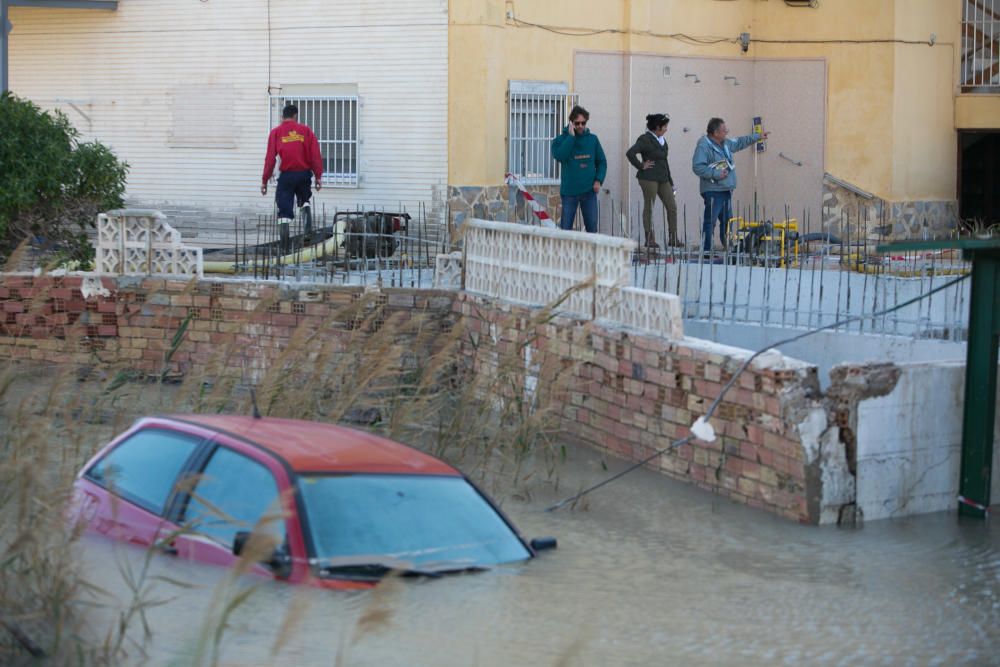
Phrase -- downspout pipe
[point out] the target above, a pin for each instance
(4, 31)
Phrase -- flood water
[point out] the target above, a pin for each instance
(649, 572)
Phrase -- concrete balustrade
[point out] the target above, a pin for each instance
(588, 275)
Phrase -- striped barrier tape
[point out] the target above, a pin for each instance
(543, 217)
(973, 503)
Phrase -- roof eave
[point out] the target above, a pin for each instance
(66, 4)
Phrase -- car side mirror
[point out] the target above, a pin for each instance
(280, 561)
(240, 541)
(543, 543)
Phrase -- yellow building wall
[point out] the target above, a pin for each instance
(891, 107)
(977, 112)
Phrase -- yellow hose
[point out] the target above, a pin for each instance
(327, 247)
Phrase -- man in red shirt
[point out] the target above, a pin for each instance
(298, 149)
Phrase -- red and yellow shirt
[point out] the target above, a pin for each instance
(297, 147)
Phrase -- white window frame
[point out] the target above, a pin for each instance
(536, 114)
(335, 150)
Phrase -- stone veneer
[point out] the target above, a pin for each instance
(500, 203)
(849, 215)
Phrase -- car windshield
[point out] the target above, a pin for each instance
(417, 519)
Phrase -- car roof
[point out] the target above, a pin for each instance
(308, 446)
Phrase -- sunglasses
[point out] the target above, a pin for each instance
(579, 122)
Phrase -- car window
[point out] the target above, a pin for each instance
(232, 494)
(144, 468)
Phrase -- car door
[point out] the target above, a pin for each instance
(125, 493)
(236, 490)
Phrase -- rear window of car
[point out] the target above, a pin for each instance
(144, 468)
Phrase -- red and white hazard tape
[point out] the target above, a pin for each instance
(543, 217)
(973, 503)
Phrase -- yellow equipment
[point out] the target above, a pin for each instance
(766, 240)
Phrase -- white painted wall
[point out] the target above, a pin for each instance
(909, 444)
(139, 73)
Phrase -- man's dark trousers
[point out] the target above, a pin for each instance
(292, 186)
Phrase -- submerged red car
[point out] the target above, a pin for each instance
(344, 507)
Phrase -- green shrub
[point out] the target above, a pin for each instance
(53, 185)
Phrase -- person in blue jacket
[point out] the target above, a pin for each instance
(713, 165)
(584, 167)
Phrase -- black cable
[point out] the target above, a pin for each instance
(718, 399)
(691, 39)
(587, 32)
(846, 41)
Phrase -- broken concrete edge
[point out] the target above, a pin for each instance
(827, 427)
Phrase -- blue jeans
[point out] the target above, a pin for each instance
(292, 186)
(718, 206)
(588, 207)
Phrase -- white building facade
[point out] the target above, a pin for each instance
(186, 91)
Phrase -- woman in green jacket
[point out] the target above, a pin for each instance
(654, 177)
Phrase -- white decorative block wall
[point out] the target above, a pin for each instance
(656, 312)
(448, 271)
(538, 266)
(139, 241)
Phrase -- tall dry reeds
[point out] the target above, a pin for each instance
(483, 402)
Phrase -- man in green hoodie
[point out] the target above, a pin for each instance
(584, 167)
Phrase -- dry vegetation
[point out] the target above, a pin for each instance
(410, 379)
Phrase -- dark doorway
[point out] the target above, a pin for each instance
(979, 178)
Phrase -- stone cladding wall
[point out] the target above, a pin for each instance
(500, 203)
(850, 216)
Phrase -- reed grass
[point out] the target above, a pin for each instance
(420, 378)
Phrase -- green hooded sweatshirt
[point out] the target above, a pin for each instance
(582, 160)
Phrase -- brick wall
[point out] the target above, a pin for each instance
(618, 390)
(631, 393)
(237, 326)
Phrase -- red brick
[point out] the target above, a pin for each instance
(734, 466)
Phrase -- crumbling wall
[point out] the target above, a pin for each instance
(902, 426)
(632, 393)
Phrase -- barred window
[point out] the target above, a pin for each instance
(537, 112)
(334, 121)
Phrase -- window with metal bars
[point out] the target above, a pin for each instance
(334, 120)
(537, 112)
(981, 46)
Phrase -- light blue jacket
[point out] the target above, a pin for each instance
(710, 158)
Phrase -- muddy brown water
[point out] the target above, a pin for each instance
(650, 572)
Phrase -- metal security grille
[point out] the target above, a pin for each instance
(334, 120)
(981, 45)
(534, 121)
